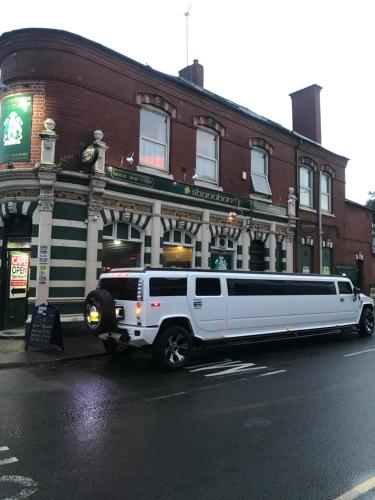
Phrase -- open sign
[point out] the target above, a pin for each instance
(19, 274)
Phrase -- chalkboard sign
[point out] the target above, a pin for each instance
(44, 332)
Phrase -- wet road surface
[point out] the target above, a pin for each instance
(280, 420)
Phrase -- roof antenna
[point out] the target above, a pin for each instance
(187, 14)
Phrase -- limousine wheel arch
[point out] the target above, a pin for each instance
(366, 322)
(100, 316)
(172, 348)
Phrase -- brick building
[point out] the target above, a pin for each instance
(173, 175)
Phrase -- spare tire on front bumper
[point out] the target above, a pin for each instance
(100, 314)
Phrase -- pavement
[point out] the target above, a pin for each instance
(13, 354)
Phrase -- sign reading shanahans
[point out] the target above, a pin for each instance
(198, 193)
(15, 128)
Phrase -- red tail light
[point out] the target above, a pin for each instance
(138, 309)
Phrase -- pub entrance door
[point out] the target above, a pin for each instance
(15, 271)
(16, 288)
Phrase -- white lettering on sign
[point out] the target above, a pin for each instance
(19, 274)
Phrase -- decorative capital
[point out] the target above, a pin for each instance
(46, 204)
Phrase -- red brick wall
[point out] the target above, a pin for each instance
(357, 238)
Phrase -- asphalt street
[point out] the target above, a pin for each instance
(280, 420)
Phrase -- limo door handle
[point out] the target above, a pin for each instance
(342, 299)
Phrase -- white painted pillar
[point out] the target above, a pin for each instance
(289, 254)
(99, 165)
(49, 138)
(156, 234)
(206, 237)
(245, 250)
(47, 179)
(94, 224)
(272, 248)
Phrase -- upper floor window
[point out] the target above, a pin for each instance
(325, 192)
(306, 186)
(154, 139)
(259, 171)
(207, 156)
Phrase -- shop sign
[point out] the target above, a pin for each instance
(126, 176)
(15, 128)
(194, 192)
(19, 273)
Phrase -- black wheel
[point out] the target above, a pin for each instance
(366, 323)
(172, 349)
(100, 315)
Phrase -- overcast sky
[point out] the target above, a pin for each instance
(254, 53)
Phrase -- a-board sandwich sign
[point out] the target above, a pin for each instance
(44, 332)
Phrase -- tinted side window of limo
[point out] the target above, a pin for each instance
(162, 287)
(279, 287)
(121, 288)
(207, 286)
(345, 288)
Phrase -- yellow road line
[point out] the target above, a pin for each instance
(359, 490)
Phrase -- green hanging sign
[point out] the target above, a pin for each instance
(15, 128)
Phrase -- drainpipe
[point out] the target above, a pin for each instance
(320, 225)
(299, 143)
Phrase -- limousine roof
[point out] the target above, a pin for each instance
(218, 271)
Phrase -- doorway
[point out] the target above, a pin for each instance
(15, 271)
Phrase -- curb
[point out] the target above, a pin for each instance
(12, 337)
(32, 362)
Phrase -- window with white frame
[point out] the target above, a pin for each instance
(306, 186)
(325, 192)
(259, 171)
(154, 139)
(207, 156)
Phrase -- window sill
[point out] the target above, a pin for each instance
(207, 185)
(307, 209)
(260, 198)
(154, 171)
(328, 214)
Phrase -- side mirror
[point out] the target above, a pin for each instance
(356, 292)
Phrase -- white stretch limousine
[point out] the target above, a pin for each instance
(171, 310)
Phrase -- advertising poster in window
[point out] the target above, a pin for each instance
(221, 261)
(15, 128)
(19, 274)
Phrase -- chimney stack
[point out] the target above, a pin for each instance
(306, 112)
(193, 73)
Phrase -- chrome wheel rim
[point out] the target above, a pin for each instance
(93, 315)
(176, 349)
